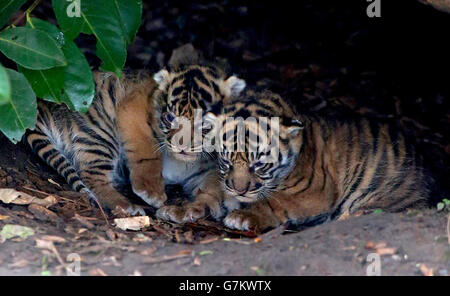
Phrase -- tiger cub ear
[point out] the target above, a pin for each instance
(293, 127)
(162, 78)
(234, 86)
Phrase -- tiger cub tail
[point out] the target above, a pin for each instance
(42, 146)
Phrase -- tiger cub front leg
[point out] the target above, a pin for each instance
(278, 209)
(144, 160)
(146, 173)
(259, 217)
(207, 200)
(101, 187)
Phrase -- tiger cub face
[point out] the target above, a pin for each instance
(259, 141)
(181, 94)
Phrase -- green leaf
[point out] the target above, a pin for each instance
(440, 206)
(47, 84)
(20, 112)
(79, 87)
(99, 16)
(11, 230)
(206, 252)
(75, 79)
(5, 87)
(32, 49)
(71, 26)
(46, 273)
(130, 15)
(48, 28)
(8, 9)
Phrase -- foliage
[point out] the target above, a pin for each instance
(50, 65)
(444, 205)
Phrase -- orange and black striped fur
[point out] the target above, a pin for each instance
(326, 168)
(124, 127)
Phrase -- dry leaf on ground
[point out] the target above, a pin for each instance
(97, 272)
(49, 245)
(84, 221)
(425, 270)
(386, 251)
(132, 223)
(20, 263)
(43, 214)
(19, 198)
(54, 238)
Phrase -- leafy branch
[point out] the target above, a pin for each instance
(50, 66)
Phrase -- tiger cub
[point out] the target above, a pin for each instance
(310, 169)
(127, 124)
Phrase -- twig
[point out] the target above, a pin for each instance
(26, 13)
(165, 258)
(38, 191)
(48, 194)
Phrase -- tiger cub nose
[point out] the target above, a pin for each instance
(241, 187)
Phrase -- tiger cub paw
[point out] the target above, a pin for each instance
(130, 210)
(243, 220)
(186, 214)
(151, 191)
(155, 200)
(135, 210)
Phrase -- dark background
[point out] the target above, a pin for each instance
(323, 55)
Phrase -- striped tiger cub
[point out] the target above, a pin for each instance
(125, 129)
(324, 168)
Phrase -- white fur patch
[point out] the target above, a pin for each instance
(162, 78)
(180, 172)
(235, 85)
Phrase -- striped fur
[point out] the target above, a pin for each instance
(180, 94)
(122, 127)
(88, 149)
(327, 168)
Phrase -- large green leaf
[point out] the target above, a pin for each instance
(5, 87)
(100, 17)
(48, 28)
(7, 9)
(130, 14)
(79, 87)
(101, 20)
(47, 84)
(71, 26)
(20, 112)
(32, 49)
(76, 78)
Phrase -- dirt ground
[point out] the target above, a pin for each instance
(410, 243)
(325, 58)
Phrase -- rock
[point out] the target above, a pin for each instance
(184, 55)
